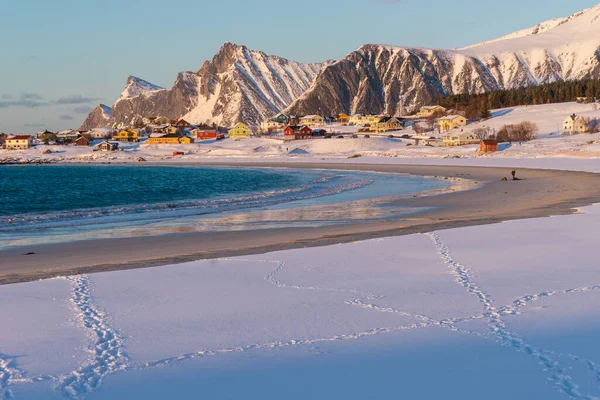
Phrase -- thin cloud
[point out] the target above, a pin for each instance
(22, 103)
(25, 100)
(83, 110)
(31, 96)
(66, 117)
(76, 99)
(34, 100)
(34, 125)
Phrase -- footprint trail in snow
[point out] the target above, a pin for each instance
(108, 356)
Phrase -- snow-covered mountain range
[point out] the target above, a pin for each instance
(243, 85)
(238, 84)
(375, 78)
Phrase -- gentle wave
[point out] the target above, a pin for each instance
(152, 212)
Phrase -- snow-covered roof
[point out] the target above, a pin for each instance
(450, 117)
(574, 118)
(311, 116)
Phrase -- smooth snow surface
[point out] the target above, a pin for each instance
(498, 311)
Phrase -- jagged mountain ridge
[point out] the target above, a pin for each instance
(239, 84)
(395, 80)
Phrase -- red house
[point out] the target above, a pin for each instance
(488, 146)
(295, 132)
(182, 124)
(210, 134)
(82, 141)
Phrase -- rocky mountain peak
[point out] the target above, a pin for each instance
(136, 86)
(227, 55)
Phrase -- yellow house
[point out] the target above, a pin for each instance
(373, 119)
(460, 139)
(170, 138)
(240, 131)
(428, 111)
(362, 119)
(18, 142)
(312, 120)
(451, 122)
(386, 124)
(358, 119)
(186, 140)
(126, 135)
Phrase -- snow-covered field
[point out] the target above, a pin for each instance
(496, 312)
(549, 144)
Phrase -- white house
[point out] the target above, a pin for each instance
(460, 139)
(271, 125)
(576, 124)
(312, 120)
(100, 133)
(107, 146)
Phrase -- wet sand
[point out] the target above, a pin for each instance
(540, 193)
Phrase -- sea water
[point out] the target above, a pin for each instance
(44, 204)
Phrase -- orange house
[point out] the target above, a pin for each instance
(170, 139)
(488, 146)
(343, 118)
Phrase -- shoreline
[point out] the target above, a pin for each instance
(540, 193)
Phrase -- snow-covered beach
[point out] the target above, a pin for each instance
(499, 311)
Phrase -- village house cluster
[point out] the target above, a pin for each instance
(156, 131)
(451, 127)
(312, 126)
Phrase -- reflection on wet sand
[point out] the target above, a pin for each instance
(365, 205)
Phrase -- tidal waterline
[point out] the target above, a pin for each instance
(51, 204)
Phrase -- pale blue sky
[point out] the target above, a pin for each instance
(62, 57)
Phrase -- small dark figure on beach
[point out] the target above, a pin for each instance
(514, 175)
